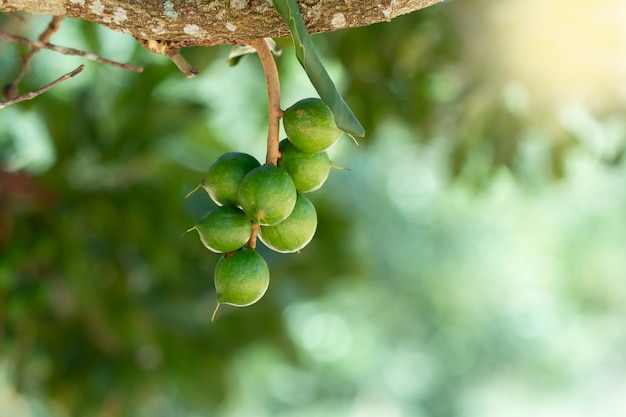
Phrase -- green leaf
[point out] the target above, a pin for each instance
(310, 61)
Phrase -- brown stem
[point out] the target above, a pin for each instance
(273, 99)
(66, 51)
(255, 231)
(33, 94)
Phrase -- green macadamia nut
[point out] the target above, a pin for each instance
(308, 171)
(225, 174)
(267, 194)
(241, 278)
(293, 233)
(224, 229)
(310, 125)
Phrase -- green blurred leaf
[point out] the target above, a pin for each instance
(306, 54)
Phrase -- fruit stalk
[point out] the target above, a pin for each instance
(252, 241)
(273, 99)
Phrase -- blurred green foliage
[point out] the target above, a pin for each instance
(470, 263)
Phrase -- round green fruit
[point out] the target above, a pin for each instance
(241, 278)
(225, 174)
(224, 229)
(293, 233)
(308, 171)
(267, 194)
(310, 125)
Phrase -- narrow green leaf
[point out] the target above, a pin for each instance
(310, 61)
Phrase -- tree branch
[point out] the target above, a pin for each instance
(206, 23)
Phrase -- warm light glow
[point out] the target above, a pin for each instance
(563, 48)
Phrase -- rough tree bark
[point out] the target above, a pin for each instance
(183, 23)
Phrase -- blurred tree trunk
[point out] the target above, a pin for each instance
(205, 22)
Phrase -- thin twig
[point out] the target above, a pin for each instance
(273, 99)
(185, 67)
(11, 90)
(32, 94)
(67, 51)
(166, 48)
(53, 26)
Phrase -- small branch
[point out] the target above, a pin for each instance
(33, 94)
(53, 26)
(161, 47)
(273, 98)
(67, 51)
(183, 65)
(11, 90)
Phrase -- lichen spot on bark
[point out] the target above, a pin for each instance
(168, 10)
(193, 30)
(96, 7)
(338, 21)
(238, 4)
(119, 16)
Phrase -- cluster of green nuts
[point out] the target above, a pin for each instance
(266, 201)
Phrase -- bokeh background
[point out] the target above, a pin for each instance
(471, 263)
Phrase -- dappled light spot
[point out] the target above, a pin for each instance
(148, 356)
(322, 334)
